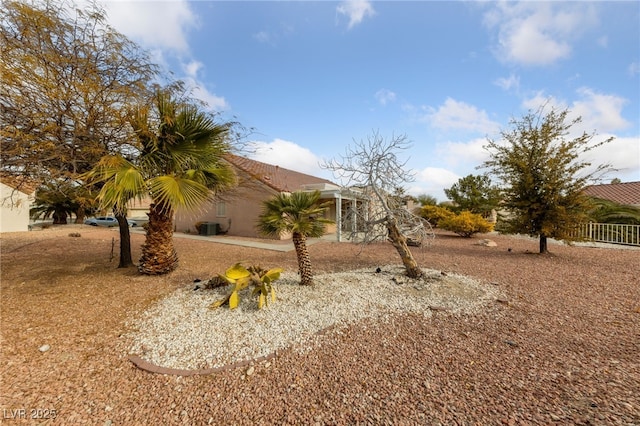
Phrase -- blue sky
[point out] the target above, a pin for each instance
(310, 77)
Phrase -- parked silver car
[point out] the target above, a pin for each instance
(108, 221)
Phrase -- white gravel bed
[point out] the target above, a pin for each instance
(182, 332)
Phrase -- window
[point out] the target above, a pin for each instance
(221, 209)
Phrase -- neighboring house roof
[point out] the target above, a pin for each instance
(19, 183)
(276, 177)
(627, 193)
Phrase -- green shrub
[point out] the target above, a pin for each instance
(197, 226)
(434, 214)
(241, 278)
(466, 224)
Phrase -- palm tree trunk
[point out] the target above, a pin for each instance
(304, 260)
(80, 215)
(158, 254)
(400, 243)
(60, 217)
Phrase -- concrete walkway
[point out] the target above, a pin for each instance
(276, 245)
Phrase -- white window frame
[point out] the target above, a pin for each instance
(221, 209)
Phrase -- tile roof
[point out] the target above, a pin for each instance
(627, 193)
(276, 177)
(20, 183)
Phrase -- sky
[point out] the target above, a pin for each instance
(312, 78)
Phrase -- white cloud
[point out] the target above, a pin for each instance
(161, 28)
(600, 112)
(463, 153)
(540, 99)
(538, 33)
(385, 96)
(633, 69)
(199, 91)
(288, 155)
(198, 88)
(154, 24)
(356, 10)
(508, 83)
(623, 154)
(432, 181)
(192, 68)
(215, 102)
(459, 115)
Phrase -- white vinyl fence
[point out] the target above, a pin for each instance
(610, 233)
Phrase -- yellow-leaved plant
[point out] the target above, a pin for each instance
(241, 278)
(466, 224)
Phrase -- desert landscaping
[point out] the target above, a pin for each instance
(556, 340)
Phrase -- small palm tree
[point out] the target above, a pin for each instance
(179, 166)
(300, 214)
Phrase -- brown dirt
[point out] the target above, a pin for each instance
(562, 348)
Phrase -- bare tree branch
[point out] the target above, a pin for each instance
(374, 167)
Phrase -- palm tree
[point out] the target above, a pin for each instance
(62, 199)
(300, 214)
(606, 211)
(179, 166)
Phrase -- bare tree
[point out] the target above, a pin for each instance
(373, 168)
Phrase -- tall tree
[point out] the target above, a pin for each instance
(67, 80)
(474, 193)
(179, 165)
(66, 84)
(544, 174)
(375, 168)
(427, 200)
(300, 214)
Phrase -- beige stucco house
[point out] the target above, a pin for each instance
(15, 201)
(237, 211)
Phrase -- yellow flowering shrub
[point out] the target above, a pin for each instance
(434, 214)
(466, 224)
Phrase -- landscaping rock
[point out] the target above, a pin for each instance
(487, 243)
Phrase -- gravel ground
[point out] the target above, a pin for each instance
(554, 340)
(182, 332)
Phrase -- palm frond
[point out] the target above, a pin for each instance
(121, 181)
(298, 212)
(176, 192)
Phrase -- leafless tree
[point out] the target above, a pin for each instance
(373, 168)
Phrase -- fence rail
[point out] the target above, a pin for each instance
(610, 233)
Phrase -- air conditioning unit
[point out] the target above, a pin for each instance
(209, 228)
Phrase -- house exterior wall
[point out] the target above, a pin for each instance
(242, 210)
(245, 208)
(139, 209)
(238, 211)
(14, 209)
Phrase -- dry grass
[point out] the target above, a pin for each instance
(564, 349)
